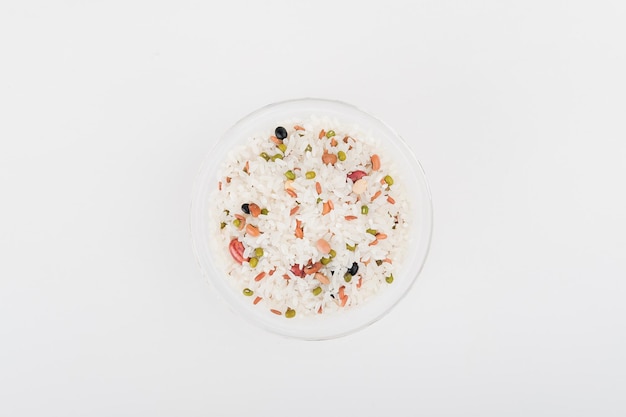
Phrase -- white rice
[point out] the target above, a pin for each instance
(264, 185)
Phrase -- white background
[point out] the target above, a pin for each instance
(515, 109)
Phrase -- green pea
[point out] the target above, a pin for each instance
(265, 156)
(254, 262)
(325, 261)
(388, 180)
(330, 134)
(332, 253)
(379, 262)
(308, 148)
(247, 292)
(372, 231)
(258, 252)
(277, 156)
(341, 155)
(310, 175)
(290, 313)
(290, 174)
(236, 222)
(351, 248)
(264, 211)
(347, 277)
(317, 290)
(364, 209)
(282, 147)
(222, 225)
(389, 279)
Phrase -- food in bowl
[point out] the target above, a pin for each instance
(310, 218)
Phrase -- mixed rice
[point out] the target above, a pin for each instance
(311, 218)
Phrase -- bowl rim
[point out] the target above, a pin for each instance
(196, 195)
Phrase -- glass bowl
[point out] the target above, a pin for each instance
(324, 326)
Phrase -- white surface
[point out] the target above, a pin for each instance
(515, 109)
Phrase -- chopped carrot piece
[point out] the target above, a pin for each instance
(331, 205)
(219, 185)
(381, 236)
(344, 300)
(252, 230)
(292, 193)
(373, 243)
(276, 312)
(329, 158)
(256, 300)
(376, 195)
(275, 140)
(240, 217)
(345, 139)
(228, 180)
(333, 142)
(298, 127)
(272, 271)
(325, 208)
(382, 181)
(388, 260)
(299, 230)
(286, 277)
(294, 210)
(260, 276)
(322, 134)
(391, 200)
(350, 218)
(318, 188)
(246, 168)
(367, 261)
(313, 268)
(319, 310)
(342, 290)
(358, 284)
(375, 162)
